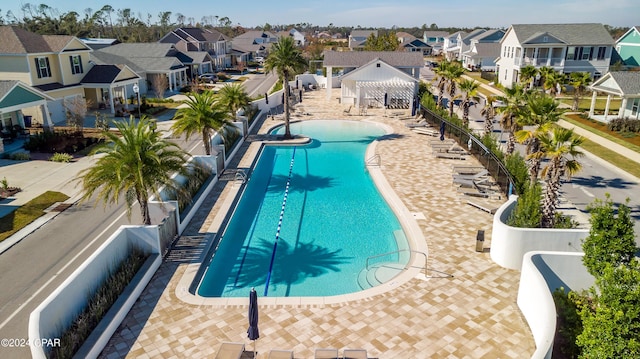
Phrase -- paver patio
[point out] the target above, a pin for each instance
(470, 315)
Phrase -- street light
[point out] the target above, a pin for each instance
(136, 89)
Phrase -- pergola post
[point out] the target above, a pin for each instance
(593, 104)
(606, 109)
(623, 106)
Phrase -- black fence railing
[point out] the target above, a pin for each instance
(477, 149)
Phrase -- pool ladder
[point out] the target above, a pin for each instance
(373, 160)
(400, 252)
(241, 176)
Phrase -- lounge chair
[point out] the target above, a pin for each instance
(450, 155)
(421, 123)
(355, 354)
(230, 351)
(426, 131)
(487, 207)
(326, 354)
(476, 176)
(281, 354)
(346, 112)
(467, 170)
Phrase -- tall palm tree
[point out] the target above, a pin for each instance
(286, 60)
(234, 97)
(527, 76)
(137, 163)
(489, 112)
(452, 73)
(442, 81)
(579, 81)
(560, 147)
(539, 112)
(544, 72)
(469, 89)
(204, 114)
(512, 105)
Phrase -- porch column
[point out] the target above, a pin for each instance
(111, 103)
(126, 99)
(606, 109)
(593, 103)
(329, 81)
(623, 106)
(46, 117)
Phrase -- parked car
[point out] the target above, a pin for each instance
(259, 59)
(209, 78)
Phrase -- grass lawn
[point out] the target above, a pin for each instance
(601, 103)
(29, 212)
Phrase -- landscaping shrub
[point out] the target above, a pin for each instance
(61, 157)
(569, 324)
(527, 213)
(624, 125)
(20, 156)
(99, 304)
(518, 169)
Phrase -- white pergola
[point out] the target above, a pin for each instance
(397, 92)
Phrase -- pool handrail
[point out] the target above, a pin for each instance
(411, 251)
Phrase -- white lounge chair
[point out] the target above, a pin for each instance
(230, 351)
(426, 131)
(478, 175)
(280, 354)
(355, 354)
(326, 354)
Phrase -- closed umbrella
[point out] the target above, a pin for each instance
(266, 98)
(442, 131)
(413, 107)
(253, 332)
(386, 100)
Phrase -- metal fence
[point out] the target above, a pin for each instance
(168, 231)
(477, 149)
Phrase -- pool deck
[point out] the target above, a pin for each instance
(472, 314)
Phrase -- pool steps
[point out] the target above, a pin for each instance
(385, 271)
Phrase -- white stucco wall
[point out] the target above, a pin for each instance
(542, 273)
(509, 244)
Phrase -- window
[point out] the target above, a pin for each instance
(76, 64)
(602, 51)
(571, 53)
(587, 53)
(42, 67)
(634, 106)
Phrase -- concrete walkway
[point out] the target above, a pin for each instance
(470, 315)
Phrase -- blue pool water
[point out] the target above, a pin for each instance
(334, 218)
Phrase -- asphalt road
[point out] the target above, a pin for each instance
(37, 265)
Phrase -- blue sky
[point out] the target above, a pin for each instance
(371, 13)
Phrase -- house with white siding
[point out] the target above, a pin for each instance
(195, 39)
(484, 49)
(564, 47)
(624, 85)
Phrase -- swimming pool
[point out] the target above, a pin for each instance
(334, 219)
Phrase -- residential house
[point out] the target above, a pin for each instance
(371, 77)
(195, 39)
(564, 47)
(483, 51)
(463, 44)
(16, 99)
(97, 44)
(435, 39)
(628, 48)
(155, 63)
(452, 43)
(52, 64)
(299, 38)
(252, 44)
(358, 38)
(620, 84)
(412, 44)
(107, 86)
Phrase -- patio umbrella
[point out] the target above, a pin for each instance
(300, 95)
(413, 107)
(442, 131)
(266, 98)
(386, 100)
(252, 332)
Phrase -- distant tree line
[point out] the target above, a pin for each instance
(128, 26)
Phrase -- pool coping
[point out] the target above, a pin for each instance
(416, 268)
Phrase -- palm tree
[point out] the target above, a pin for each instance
(540, 111)
(553, 82)
(527, 75)
(544, 72)
(560, 147)
(489, 112)
(579, 81)
(469, 89)
(442, 81)
(137, 162)
(204, 114)
(286, 60)
(234, 97)
(452, 73)
(512, 105)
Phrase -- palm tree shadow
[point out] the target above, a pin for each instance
(293, 264)
(301, 183)
(601, 182)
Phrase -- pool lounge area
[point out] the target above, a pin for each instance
(472, 314)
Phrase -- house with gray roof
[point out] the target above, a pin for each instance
(462, 44)
(194, 39)
(366, 76)
(358, 38)
(252, 44)
(150, 61)
(435, 39)
(483, 50)
(566, 48)
(618, 84)
(452, 43)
